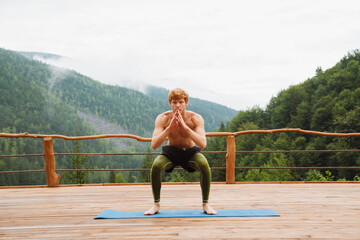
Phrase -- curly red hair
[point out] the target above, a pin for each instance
(177, 94)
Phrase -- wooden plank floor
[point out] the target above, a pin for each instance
(316, 211)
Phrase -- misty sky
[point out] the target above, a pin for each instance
(236, 53)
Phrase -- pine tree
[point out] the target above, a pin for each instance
(147, 163)
(77, 162)
(112, 177)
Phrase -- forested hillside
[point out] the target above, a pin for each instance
(328, 102)
(28, 104)
(39, 98)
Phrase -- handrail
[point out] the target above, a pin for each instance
(298, 130)
(208, 134)
(49, 155)
(19, 135)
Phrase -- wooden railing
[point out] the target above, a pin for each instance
(53, 178)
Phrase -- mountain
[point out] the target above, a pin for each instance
(39, 98)
(320, 103)
(327, 102)
(131, 111)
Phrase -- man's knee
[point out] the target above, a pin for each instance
(156, 164)
(160, 163)
(156, 168)
(201, 162)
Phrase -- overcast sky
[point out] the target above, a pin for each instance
(236, 53)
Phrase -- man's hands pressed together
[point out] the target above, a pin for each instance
(178, 120)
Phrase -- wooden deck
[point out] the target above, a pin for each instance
(316, 211)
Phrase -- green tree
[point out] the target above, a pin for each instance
(147, 163)
(112, 177)
(314, 175)
(303, 116)
(77, 162)
(270, 175)
(119, 178)
(131, 178)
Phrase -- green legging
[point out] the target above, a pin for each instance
(198, 162)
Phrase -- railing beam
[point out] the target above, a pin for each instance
(52, 178)
(230, 160)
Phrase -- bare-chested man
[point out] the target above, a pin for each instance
(184, 130)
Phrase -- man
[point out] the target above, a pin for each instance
(184, 130)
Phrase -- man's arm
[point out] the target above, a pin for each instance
(161, 131)
(198, 134)
(159, 134)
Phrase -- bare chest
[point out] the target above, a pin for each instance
(179, 132)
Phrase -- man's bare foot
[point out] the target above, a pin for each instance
(155, 209)
(208, 210)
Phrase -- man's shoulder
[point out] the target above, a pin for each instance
(191, 113)
(194, 116)
(164, 115)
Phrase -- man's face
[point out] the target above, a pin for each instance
(178, 104)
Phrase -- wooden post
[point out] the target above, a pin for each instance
(51, 176)
(230, 160)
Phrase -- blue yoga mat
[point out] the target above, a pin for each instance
(113, 214)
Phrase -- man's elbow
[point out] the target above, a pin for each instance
(202, 145)
(154, 146)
